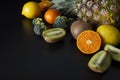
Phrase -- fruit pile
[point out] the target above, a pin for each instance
(94, 27)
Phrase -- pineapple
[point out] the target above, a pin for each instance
(65, 7)
(92, 11)
(98, 11)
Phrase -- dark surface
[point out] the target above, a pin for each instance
(24, 55)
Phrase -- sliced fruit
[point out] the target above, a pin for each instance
(53, 35)
(113, 51)
(88, 42)
(109, 34)
(100, 62)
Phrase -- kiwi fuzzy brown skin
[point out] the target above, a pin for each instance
(78, 26)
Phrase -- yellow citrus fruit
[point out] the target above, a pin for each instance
(109, 34)
(31, 9)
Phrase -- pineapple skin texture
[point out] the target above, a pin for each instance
(98, 11)
(93, 11)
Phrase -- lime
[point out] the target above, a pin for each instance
(109, 34)
(31, 9)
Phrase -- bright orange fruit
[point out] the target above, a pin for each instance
(51, 14)
(44, 5)
(88, 42)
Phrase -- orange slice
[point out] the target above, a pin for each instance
(88, 42)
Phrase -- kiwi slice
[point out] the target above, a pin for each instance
(113, 51)
(53, 35)
(100, 62)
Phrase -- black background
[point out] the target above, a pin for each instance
(24, 55)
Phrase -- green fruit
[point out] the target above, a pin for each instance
(100, 62)
(113, 51)
(54, 35)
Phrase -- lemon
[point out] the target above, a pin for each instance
(109, 34)
(31, 9)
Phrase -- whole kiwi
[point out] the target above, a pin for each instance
(78, 26)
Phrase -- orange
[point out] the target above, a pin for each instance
(51, 14)
(44, 5)
(88, 42)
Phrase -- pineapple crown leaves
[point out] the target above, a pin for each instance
(63, 3)
(65, 7)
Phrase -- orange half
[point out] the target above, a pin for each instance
(88, 42)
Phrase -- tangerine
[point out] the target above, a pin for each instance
(51, 14)
(44, 5)
(88, 41)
